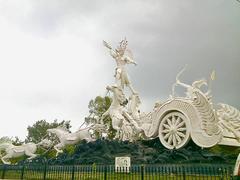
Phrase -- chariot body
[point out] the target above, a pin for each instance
(180, 119)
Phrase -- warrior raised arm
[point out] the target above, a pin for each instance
(119, 52)
(111, 51)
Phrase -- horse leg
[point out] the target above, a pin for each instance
(58, 148)
(89, 138)
(5, 158)
(117, 126)
(131, 89)
(30, 154)
(118, 134)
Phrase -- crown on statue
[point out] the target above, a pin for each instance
(123, 45)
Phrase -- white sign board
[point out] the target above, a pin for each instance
(122, 164)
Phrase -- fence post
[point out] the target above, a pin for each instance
(184, 173)
(222, 173)
(105, 172)
(142, 172)
(73, 170)
(45, 171)
(22, 171)
(4, 170)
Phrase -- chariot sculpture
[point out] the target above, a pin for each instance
(174, 121)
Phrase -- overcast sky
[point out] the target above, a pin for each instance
(52, 61)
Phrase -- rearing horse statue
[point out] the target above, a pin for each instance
(115, 111)
(28, 149)
(67, 138)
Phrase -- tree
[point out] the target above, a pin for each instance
(97, 107)
(5, 139)
(39, 129)
(15, 141)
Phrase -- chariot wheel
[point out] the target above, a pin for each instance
(174, 130)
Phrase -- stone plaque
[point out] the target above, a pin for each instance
(122, 164)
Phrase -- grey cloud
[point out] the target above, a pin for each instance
(163, 35)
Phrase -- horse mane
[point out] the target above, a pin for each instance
(62, 129)
(119, 93)
(134, 102)
(119, 90)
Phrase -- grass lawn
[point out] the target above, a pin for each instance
(11, 174)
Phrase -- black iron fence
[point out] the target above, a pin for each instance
(109, 172)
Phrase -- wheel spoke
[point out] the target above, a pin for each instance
(169, 122)
(170, 139)
(166, 126)
(166, 136)
(173, 120)
(174, 140)
(177, 121)
(182, 129)
(181, 134)
(180, 124)
(166, 131)
(178, 138)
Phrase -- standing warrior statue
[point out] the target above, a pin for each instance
(122, 59)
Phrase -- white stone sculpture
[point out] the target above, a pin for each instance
(100, 128)
(176, 120)
(127, 132)
(45, 143)
(122, 57)
(125, 119)
(229, 121)
(133, 107)
(13, 151)
(190, 88)
(67, 138)
(193, 117)
(115, 111)
(28, 149)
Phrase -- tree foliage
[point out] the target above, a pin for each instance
(5, 139)
(14, 140)
(97, 107)
(39, 129)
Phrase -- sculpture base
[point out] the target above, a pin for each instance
(141, 152)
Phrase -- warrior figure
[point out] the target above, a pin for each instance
(121, 57)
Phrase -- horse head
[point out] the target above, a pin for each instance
(58, 131)
(5, 145)
(46, 143)
(118, 95)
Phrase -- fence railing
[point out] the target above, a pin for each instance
(108, 172)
